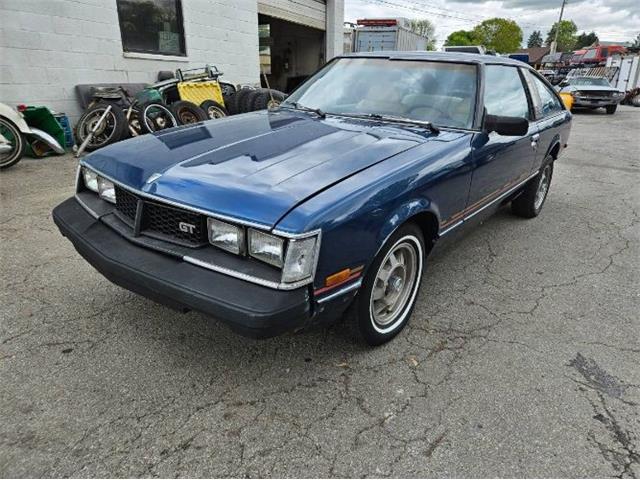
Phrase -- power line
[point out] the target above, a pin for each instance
(456, 15)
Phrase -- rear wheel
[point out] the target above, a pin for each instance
(529, 203)
(611, 109)
(389, 291)
(10, 152)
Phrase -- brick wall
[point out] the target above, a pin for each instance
(49, 46)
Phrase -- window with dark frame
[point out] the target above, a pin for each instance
(152, 26)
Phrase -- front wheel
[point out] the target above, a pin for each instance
(12, 144)
(389, 291)
(529, 203)
(611, 109)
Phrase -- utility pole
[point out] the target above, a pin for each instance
(554, 45)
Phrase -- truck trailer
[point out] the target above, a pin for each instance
(374, 35)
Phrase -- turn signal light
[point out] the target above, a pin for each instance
(338, 277)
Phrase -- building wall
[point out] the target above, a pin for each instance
(49, 46)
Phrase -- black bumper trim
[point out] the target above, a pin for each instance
(249, 309)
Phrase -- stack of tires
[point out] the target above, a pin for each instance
(249, 99)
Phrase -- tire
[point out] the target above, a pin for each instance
(156, 116)
(213, 110)
(9, 130)
(112, 130)
(264, 100)
(230, 103)
(529, 204)
(611, 109)
(240, 100)
(369, 320)
(188, 113)
(245, 99)
(228, 89)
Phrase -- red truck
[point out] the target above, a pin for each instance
(598, 55)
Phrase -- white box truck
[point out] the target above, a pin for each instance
(393, 34)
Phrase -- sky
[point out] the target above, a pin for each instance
(612, 20)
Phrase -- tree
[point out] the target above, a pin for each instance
(566, 35)
(460, 38)
(535, 39)
(425, 28)
(499, 34)
(586, 39)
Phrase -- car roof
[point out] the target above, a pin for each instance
(454, 57)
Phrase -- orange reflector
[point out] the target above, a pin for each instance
(339, 277)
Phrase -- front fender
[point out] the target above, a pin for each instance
(402, 214)
(15, 118)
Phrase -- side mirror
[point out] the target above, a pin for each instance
(508, 126)
(564, 83)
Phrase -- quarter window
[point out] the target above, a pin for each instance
(548, 101)
(151, 26)
(504, 92)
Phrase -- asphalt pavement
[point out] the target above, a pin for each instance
(522, 357)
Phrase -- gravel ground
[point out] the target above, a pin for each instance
(522, 357)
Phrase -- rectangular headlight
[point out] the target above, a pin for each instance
(267, 248)
(226, 236)
(106, 190)
(90, 179)
(300, 259)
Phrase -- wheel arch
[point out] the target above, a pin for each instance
(554, 148)
(421, 212)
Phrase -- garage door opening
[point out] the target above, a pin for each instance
(289, 51)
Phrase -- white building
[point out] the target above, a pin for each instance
(47, 47)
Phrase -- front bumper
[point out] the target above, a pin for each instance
(251, 310)
(594, 102)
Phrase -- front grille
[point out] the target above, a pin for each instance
(126, 203)
(162, 221)
(174, 223)
(596, 93)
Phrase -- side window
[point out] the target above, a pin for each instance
(549, 103)
(504, 92)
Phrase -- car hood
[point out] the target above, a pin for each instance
(254, 167)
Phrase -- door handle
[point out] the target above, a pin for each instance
(534, 140)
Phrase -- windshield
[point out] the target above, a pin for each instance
(591, 81)
(437, 92)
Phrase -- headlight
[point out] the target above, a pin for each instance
(300, 259)
(226, 236)
(266, 247)
(90, 179)
(106, 190)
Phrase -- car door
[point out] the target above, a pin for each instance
(500, 161)
(549, 113)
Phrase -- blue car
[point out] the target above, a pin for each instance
(329, 204)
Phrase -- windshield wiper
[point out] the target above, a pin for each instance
(298, 106)
(395, 119)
